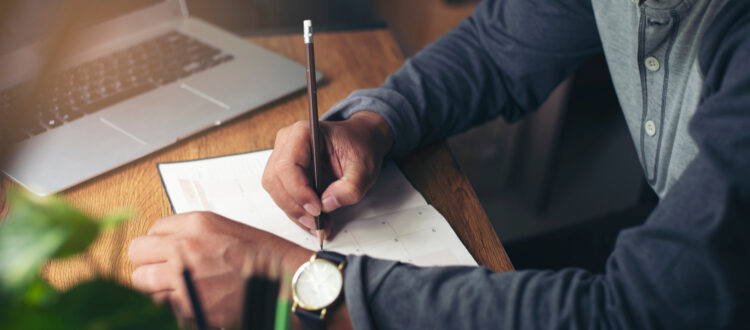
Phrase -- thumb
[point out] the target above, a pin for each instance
(347, 190)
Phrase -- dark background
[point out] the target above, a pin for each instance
(248, 17)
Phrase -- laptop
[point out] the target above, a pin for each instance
(142, 74)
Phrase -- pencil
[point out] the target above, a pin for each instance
(200, 319)
(249, 305)
(272, 293)
(260, 292)
(312, 96)
(284, 305)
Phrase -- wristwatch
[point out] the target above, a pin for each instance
(316, 287)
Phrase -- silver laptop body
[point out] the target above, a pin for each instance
(83, 148)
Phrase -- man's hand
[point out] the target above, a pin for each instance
(355, 148)
(214, 249)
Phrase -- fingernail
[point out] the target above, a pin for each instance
(311, 209)
(307, 221)
(330, 203)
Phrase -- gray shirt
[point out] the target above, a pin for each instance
(681, 69)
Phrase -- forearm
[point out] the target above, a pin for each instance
(681, 288)
(503, 60)
(686, 267)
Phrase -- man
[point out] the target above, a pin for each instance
(681, 69)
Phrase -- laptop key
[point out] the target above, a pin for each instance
(94, 85)
(116, 98)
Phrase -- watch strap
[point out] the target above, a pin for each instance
(310, 320)
(337, 258)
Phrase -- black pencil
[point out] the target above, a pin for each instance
(261, 291)
(255, 314)
(272, 293)
(200, 318)
(265, 319)
(247, 302)
(312, 96)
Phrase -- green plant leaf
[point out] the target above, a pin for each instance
(115, 219)
(102, 304)
(16, 314)
(41, 293)
(37, 229)
(27, 240)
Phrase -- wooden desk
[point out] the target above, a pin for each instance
(350, 60)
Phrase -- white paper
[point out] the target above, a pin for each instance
(392, 222)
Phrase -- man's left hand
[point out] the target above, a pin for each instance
(214, 249)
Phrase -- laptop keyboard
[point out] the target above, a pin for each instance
(95, 85)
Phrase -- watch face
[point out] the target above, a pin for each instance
(317, 284)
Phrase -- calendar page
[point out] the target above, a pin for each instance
(393, 221)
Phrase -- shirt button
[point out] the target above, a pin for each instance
(650, 128)
(652, 64)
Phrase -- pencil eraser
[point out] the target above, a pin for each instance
(307, 30)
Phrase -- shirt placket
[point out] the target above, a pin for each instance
(655, 40)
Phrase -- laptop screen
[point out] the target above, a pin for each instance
(29, 21)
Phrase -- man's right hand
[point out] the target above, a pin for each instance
(355, 149)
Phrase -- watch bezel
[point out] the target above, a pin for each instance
(297, 301)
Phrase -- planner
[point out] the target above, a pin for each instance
(393, 221)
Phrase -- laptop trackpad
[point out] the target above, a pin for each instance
(165, 115)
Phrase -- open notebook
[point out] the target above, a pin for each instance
(392, 222)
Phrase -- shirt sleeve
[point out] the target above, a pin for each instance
(503, 60)
(687, 267)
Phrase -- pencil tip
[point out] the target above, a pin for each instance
(320, 238)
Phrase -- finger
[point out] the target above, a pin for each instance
(180, 303)
(161, 296)
(291, 168)
(284, 176)
(347, 190)
(156, 277)
(198, 220)
(292, 210)
(177, 299)
(168, 225)
(295, 182)
(149, 249)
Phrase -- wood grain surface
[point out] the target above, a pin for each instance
(350, 61)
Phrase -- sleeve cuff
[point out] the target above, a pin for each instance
(362, 279)
(392, 106)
